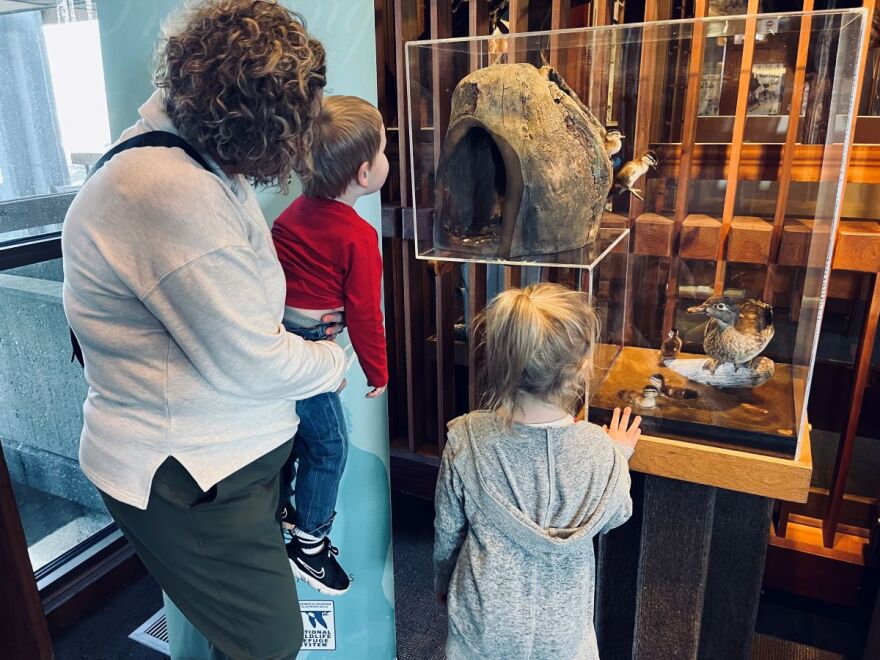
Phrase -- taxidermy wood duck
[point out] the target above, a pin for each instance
(631, 172)
(736, 332)
(671, 346)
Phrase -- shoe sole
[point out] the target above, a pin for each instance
(317, 585)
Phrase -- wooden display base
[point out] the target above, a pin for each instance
(761, 419)
(731, 469)
(726, 375)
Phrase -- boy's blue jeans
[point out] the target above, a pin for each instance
(317, 461)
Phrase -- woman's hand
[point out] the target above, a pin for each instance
(336, 321)
(621, 430)
(377, 392)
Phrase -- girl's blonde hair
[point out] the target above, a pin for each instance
(539, 341)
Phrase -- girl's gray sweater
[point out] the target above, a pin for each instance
(517, 511)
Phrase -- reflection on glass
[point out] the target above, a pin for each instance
(53, 114)
(53, 126)
(41, 415)
(720, 320)
(870, 103)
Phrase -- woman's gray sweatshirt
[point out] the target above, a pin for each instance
(517, 511)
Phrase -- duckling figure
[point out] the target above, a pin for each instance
(613, 145)
(736, 333)
(647, 398)
(632, 172)
(671, 346)
(659, 382)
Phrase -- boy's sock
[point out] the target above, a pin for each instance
(308, 543)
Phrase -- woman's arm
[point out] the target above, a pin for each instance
(216, 310)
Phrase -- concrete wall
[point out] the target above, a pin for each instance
(41, 392)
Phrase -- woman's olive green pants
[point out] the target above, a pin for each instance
(220, 557)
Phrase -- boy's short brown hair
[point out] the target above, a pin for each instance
(349, 132)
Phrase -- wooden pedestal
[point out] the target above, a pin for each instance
(682, 579)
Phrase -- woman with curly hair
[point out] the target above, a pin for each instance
(176, 296)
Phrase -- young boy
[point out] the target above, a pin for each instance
(331, 261)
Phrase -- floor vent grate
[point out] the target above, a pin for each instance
(153, 633)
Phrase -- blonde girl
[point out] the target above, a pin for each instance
(524, 488)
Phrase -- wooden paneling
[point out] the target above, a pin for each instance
(650, 69)
(442, 68)
(699, 237)
(413, 318)
(615, 221)
(653, 235)
(761, 162)
(802, 566)
(597, 60)
(847, 440)
(560, 12)
(22, 624)
(476, 282)
(858, 246)
(749, 240)
(736, 147)
(796, 102)
(406, 25)
(794, 246)
(518, 13)
(478, 25)
(444, 273)
(695, 238)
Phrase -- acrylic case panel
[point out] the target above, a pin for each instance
(603, 278)
(727, 167)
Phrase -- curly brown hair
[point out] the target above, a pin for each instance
(243, 82)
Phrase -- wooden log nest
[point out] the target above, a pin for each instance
(523, 169)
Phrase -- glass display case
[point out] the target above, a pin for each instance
(691, 169)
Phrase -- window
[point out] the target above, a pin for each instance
(53, 126)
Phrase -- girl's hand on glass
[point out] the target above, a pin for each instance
(621, 430)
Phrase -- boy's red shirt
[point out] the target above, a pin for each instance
(330, 256)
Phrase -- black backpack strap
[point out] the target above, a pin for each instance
(149, 139)
(152, 139)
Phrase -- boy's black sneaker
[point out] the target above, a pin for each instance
(320, 571)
